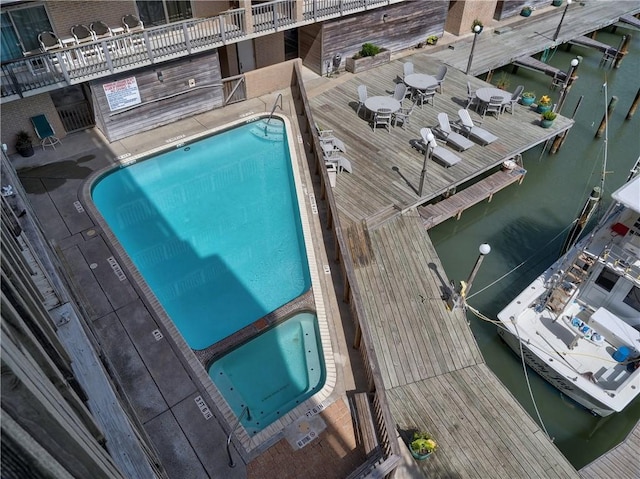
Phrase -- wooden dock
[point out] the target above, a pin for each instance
(534, 64)
(608, 52)
(454, 205)
(621, 461)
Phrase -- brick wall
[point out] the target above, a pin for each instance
(16, 117)
(65, 14)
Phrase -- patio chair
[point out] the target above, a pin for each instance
(426, 96)
(100, 30)
(494, 106)
(444, 132)
(442, 72)
(49, 41)
(471, 97)
(362, 97)
(132, 24)
(82, 34)
(382, 117)
(400, 92)
(44, 130)
(329, 141)
(341, 163)
(514, 99)
(447, 157)
(403, 115)
(477, 134)
(407, 68)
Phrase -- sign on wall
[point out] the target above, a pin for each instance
(122, 93)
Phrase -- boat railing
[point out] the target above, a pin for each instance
(623, 260)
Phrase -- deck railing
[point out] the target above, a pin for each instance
(128, 51)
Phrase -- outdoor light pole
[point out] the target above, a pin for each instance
(431, 144)
(476, 31)
(484, 249)
(566, 85)
(555, 35)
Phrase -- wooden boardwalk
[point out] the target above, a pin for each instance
(454, 205)
(621, 461)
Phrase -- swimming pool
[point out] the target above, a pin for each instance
(213, 227)
(272, 373)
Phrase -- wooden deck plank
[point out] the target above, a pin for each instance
(621, 461)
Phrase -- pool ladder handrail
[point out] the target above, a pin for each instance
(246, 409)
(275, 104)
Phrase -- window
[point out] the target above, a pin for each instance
(633, 298)
(607, 279)
(20, 30)
(161, 12)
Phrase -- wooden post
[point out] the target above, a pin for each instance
(634, 106)
(559, 140)
(603, 123)
(622, 51)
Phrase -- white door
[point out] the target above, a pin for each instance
(246, 60)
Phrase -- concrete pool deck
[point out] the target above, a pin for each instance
(155, 378)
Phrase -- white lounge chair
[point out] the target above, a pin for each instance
(447, 157)
(329, 141)
(341, 163)
(444, 132)
(477, 134)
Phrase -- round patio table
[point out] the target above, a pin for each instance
(420, 81)
(375, 103)
(485, 94)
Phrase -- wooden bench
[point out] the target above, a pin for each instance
(365, 425)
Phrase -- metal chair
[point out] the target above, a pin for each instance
(440, 76)
(407, 68)
(100, 30)
(400, 92)
(514, 99)
(49, 41)
(494, 106)
(131, 24)
(426, 96)
(82, 34)
(382, 117)
(403, 115)
(471, 97)
(362, 97)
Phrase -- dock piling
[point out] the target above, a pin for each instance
(603, 123)
(634, 106)
(623, 49)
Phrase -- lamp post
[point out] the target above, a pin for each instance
(484, 249)
(431, 144)
(566, 85)
(564, 12)
(476, 31)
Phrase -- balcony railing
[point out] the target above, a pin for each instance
(81, 63)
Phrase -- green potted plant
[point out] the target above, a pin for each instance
(432, 39)
(544, 103)
(546, 120)
(556, 3)
(422, 445)
(503, 81)
(526, 11)
(477, 23)
(527, 98)
(24, 143)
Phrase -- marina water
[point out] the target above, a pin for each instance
(527, 224)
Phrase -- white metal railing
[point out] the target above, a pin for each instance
(271, 16)
(318, 9)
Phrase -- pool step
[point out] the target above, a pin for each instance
(274, 131)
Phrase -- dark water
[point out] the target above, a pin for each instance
(526, 225)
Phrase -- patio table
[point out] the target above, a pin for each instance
(485, 94)
(420, 81)
(375, 103)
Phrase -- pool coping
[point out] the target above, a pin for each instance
(307, 206)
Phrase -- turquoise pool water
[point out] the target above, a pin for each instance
(272, 373)
(213, 227)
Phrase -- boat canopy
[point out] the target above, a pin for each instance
(629, 194)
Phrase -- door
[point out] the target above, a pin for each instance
(73, 107)
(246, 59)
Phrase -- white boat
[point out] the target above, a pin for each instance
(578, 324)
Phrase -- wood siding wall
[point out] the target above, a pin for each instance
(310, 47)
(394, 28)
(161, 102)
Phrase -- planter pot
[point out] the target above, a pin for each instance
(556, 3)
(25, 151)
(546, 123)
(525, 12)
(418, 456)
(543, 108)
(357, 65)
(527, 101)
